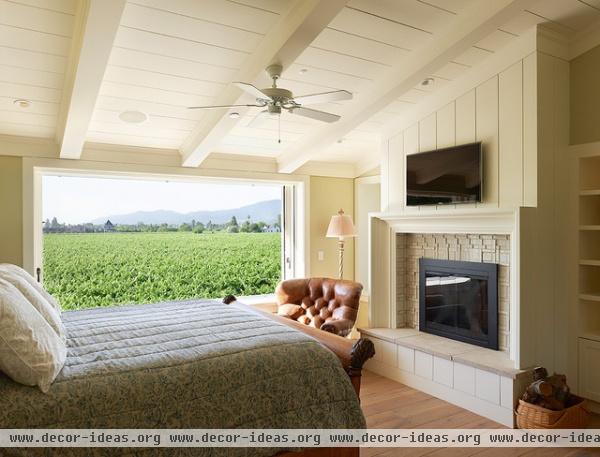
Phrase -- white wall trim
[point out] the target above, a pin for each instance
(584, 41)
(143, 156)
(327, 169)
(375, 179)
(34, 168)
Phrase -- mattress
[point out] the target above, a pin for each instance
(191, 364)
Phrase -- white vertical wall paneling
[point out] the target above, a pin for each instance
(411, 139)
(446, 126)
(530, 130)
(564, 271)
(379, 274)
(544, 221)
(385, 176)
(411, 146)
(502, 114)
(396, 166)
(510, 112)
(428, 137)
(427, 133)
(465, 118)
(486, 123)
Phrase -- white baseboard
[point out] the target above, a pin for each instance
(484, 408)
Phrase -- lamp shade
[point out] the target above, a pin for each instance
(341, 226)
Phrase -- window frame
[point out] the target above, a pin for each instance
(296, 188)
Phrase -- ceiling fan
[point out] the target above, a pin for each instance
(275, 99)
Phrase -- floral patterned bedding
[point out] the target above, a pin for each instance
(192, 364)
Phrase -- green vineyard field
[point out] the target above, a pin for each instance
(103, 269)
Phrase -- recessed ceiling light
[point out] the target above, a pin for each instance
(234, 115)
(427, 82)
(303, 71)
(133, 117)
(22, 103)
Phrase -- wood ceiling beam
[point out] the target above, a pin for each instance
(98, 26)
(296, 29)
(468, 28)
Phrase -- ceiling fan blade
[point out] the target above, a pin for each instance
(325, 97)
(222, 106)
(259, 120)
(314, 114)
(252, 90)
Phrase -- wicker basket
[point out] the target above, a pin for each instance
(534, 416)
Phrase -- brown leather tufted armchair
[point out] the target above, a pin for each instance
(328, 304)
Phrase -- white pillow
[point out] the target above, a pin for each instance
(32, 295)
(18, 271)
(31, 352)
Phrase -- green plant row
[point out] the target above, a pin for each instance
(104, 269)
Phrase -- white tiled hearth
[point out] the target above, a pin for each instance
(481, 380)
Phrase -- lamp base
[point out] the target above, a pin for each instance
(341, 265)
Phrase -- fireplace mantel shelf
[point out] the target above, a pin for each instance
(467, 354)
(476, 220)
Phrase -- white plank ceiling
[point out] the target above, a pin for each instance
(35, 41)
(177, 53)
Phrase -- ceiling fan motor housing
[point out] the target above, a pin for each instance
(280, 96)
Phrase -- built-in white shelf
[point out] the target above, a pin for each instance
(589, 275)
(594, 336)
(589, 262)
(590, 296)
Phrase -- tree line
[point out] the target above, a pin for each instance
(248, 226)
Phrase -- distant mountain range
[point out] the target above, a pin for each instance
(266, 211)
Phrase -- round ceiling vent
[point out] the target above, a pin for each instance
(133, 117)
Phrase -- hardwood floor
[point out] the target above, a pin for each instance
(389, 404)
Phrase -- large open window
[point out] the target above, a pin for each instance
(109, 240)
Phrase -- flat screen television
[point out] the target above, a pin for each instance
(444, 176)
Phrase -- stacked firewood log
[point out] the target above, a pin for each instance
(550, 392)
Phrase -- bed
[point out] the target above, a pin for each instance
(192, 364)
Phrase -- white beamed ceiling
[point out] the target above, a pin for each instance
(170, 54)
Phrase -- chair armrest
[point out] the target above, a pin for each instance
(338, 326)
(266, 307)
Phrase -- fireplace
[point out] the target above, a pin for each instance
(459, 300)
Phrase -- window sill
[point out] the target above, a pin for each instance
(264, 302)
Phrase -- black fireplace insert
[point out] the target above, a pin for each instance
(459, 300)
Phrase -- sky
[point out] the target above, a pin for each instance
(79, 200)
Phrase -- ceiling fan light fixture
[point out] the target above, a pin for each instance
(133, 117)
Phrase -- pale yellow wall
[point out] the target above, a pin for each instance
(585, 97)
(11, 210)
(327, 196)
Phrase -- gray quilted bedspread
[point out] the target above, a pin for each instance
(193, 364)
